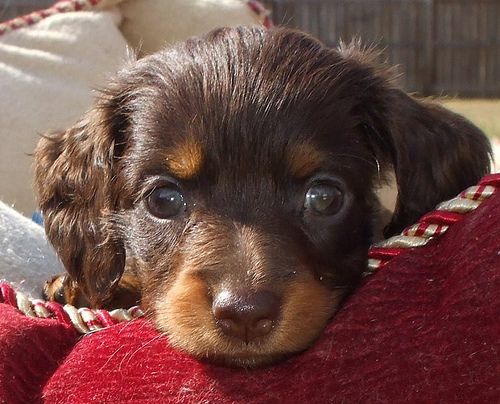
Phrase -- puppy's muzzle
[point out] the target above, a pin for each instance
(246, 315)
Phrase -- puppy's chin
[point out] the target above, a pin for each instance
(185, 315)
(232, 353)
(223, 351)
(247, 360)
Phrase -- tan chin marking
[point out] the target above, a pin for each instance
(185, 159)
(185, 314)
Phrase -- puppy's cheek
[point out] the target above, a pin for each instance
(307, 308)
(185, 314)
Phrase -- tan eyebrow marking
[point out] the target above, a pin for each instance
(185, 159)
(303, 159)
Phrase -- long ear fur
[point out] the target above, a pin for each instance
(434, 152)
(75, 183)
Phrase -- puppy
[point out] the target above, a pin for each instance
(232, 178)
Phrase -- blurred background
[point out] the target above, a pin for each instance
(445, 48)
(12, 8)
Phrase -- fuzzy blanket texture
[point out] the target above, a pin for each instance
(424, 328)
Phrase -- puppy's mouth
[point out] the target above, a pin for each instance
(227, 351)
(247, 359)
(256, 330)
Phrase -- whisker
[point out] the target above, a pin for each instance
(376, 164)
(130, 355)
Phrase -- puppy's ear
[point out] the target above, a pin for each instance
(434, 152)
(74, 178)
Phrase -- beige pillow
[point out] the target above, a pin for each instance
(149, 25)
(47, 73)
(50, 66)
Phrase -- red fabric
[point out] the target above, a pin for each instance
(425, 328)
(31, 349)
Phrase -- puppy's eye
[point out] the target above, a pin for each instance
(324, 199)
(165, 202)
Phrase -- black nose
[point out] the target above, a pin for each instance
(246, 316)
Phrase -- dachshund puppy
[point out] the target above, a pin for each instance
(229, 184)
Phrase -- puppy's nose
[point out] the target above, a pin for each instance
(246, 316)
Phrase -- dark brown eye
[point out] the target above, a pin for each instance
(324, 199)
(165, 202)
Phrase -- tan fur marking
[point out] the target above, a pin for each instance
(185, 159)
(185, 314)
(126, 294)
(72, 294)
(307, 308)
(303, 159)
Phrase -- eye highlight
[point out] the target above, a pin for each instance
(165, 202)
(324, 199)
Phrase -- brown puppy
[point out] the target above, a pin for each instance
(232, 178)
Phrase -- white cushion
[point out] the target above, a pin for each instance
(48, 70)
(149, 25)
(47, 75)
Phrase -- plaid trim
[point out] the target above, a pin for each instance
(434, 224)
(37, 16)
(84, 320)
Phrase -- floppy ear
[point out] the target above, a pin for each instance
(434, 152)
(75, 183)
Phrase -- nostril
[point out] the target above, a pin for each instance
(263, 327)
(231, 327)
(246, 316)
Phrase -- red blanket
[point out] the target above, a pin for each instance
(424, 328)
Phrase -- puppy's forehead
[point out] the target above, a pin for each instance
(188, 157)
(245, 100)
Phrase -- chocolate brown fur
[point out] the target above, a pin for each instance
(237, 115)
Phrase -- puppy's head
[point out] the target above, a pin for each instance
(236, 175)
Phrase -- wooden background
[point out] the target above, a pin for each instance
(13, 8)
(444, 47)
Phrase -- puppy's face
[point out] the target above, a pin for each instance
(235, 175)
(247, 225)
(246, 230)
